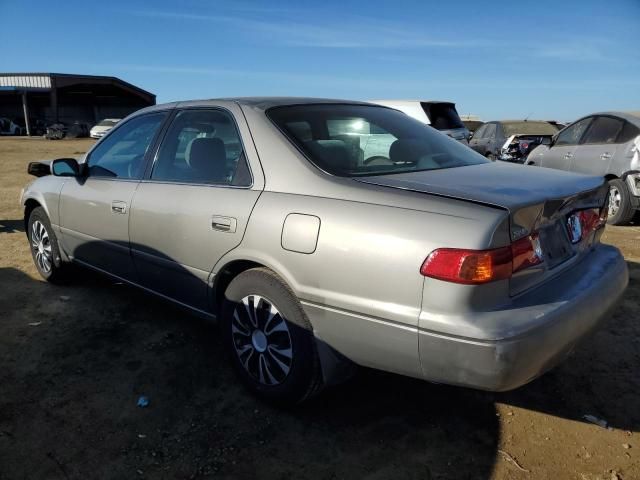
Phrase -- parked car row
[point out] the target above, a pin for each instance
(57, 130)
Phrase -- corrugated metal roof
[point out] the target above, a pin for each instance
(25, 81)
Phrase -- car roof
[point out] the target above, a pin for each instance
(263, 103)
(630, 116)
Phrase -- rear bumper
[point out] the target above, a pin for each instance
(555, 316)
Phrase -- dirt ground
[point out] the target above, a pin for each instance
(75, 359)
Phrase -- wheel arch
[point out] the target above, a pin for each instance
(610, 176)
(30, 204)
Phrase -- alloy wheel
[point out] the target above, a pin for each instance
(41, 245)
(615, 200)
(261, 340)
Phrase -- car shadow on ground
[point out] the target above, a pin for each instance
(11, 226)
(77, 358)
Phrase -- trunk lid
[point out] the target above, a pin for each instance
(538, 200)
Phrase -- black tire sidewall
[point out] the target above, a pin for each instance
(39, 214)
(626, 212)
(301, 382)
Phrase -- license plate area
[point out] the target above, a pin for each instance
(555, 244)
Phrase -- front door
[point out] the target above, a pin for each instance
(94, 210)
(195, 204)
(561, 153)
(598, 148)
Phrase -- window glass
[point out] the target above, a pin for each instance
(603, 130)
(357, 140)
(121, 153)
(480, 132)
(528, 128)
(628, 133)
(442, 116)
(572, 134)
(490, 132)
(203, 147)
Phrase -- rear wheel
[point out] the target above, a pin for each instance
(620, 209)
(44, 247)
(269, 338)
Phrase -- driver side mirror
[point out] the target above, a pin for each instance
(66, 167)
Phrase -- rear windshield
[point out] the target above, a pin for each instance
(529, 128)
(361, 140)
(107, 123)
(442, 116)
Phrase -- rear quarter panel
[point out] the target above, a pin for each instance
(361, 287)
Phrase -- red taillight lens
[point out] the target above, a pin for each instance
(468, 266)
(482, 266)
(526, 252)
(592, 219)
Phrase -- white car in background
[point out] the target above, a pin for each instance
(101, 128)
(442, 116)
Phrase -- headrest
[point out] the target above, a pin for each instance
(208, 158)
(334, 154)
(408, 150)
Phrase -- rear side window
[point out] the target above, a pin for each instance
(480, 132)
(359, 140)
(490, 131)
(573, 133)
(603, 130)
(121, 153)
(202, 147)
(628, 133)
(442, 116)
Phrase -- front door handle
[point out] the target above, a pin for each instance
(118, 207)
(605, 156)
(224, 224)
(567, 156)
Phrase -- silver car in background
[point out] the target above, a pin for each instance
(431, 262)
(606, 144)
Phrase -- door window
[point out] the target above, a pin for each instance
(628, 133)
(603, 130)
(572, 134)
(121, 154)
(202, 147)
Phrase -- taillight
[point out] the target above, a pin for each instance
(468, 266)
(474, 267)
(526, 252)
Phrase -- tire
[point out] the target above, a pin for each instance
(269, 339)
(44, 247)
(620, 209)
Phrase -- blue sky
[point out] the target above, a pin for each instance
(547, 59)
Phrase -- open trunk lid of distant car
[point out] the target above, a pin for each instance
(540, 203)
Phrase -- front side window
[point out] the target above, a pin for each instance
(202, 147)
(480, 132)
(121, 153)
(490, 132)
(572, 134)
(359, 140)
(603, 130)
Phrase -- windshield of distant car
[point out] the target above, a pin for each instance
(360, 140)
(107, 123)
(528, 128)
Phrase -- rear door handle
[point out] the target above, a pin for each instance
(605, 156)
(567, 156)
(118, 207)
(224, 224)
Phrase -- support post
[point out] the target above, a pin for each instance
(25, 109)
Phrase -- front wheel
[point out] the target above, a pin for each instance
(620, 209)
(269, 338)
(44, 247)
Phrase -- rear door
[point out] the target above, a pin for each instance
(598, 147)
(561, 153)
(194, 204)
(475, 141)
(94, 210)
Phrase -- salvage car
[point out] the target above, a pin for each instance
(9, 127)
(603, 144)
(437, 264)
(101, 128)
(442, 116)
(511, 140)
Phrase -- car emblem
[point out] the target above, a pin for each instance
(575, 228)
